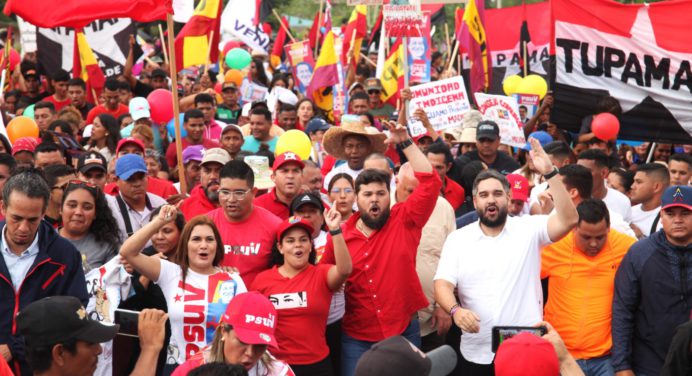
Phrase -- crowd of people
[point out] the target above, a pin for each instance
(362, 259)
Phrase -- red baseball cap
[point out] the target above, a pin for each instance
(287, 157)
(526, 354)
(253, 318)
(24, 144)
(129, 140)
(292, 222)
(519, 186)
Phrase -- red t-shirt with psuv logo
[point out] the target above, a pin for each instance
(302, 304)
(247, 244)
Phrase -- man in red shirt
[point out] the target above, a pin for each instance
(441, 159)
(248, 232)
(194, 126)
(59, 98)
(111, 104)
(287, 175)
(383, 293)
(159, 187)
(205, 196)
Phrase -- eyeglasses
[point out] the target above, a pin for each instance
(238, 194)
(337, 191)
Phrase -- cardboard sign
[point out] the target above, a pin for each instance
(530, 102)
(418, 54)
(505, 112)
(302, 63)
(445, 102)
(252, 92)
(402, 20)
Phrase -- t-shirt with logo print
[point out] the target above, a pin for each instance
(195, 307)
(247, 244)
(302, 304)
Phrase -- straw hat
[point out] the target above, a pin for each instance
(469, 125)
(334, 136)
(260, 167)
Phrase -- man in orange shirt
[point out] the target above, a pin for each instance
(581, 268)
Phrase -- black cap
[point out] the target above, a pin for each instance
(487, 129)
(92, 160)
(393, 356)
(158, 72)
(58, 319)
(304, 199)
(316, 124)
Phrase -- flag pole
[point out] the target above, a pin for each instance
(524, 52)
(211, 44)
(165, 51)
(453, 55)
(281, 23)
(449, 43)
(176, 104)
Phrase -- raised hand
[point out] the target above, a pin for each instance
(167, 214)
(397, 132)
(541, 160)
(333, 218)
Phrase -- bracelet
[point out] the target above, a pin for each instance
(454, 309)
(551, 174)
(404, 144)
(335, 232)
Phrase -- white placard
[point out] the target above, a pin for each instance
(445, 102)
(505, 112)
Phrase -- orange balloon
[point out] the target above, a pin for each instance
(234, 75)
(21, 126)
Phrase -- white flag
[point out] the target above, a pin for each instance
(237, 20)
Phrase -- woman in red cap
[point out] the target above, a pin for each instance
(246, 330)
(302, 293)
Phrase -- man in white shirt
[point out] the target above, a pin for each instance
(650, 181)
(597, 161)
(495, 263)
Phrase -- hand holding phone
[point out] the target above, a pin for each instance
(503, 333)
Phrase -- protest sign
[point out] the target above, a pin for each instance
(505, 112)
(402, 20)
(340, 95)
(530, 102)
(302, 63)
(27, 34)
(419, 53)
(237, 21)
(445, 102)
(252, 92)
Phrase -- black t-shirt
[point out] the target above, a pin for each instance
(34, 100)
(85, 110)
(503, 163)
(141, 89)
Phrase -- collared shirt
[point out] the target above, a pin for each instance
(197, 204)
(497, 278)
(19, 265)
(383, 291)
(454, 193)
(272, 203)
(581, 292)
(137, 218)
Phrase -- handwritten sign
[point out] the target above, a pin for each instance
(505, 112)
(445, 102)
(252, 92)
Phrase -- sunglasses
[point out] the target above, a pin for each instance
(80, 183)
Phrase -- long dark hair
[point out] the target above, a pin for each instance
(261, 76)
(113, 127)
(104, 227)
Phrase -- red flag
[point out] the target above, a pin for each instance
(314, 33)
(79, 13)
(280, 41)
(356, 29)
(192, 43)
(86, 67)
(263, 8)
(473, 40)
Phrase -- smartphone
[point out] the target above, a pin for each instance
(128, 321)
(502, 333)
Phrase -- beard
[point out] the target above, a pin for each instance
(212, 196)
(493, 223)
(375, 223)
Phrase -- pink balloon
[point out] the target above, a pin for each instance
(217, 88)
(605, 126)
(161, 104)
(231, 45)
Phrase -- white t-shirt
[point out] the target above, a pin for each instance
(617, 202)
(195, 309)
(498, 278)
(645, 219)
(137, 219)
(107, 286)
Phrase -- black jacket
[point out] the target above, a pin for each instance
(57, 270)
(503, 163)
(653, 295)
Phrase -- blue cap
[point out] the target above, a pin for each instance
(677, 195)
(543, 137)
(128, 165)
(316, 124)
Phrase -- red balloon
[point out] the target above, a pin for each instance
(161, 104)
(605, 126)
(217, 88)
(14, 57)
(231, 45)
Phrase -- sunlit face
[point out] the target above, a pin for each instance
(287, 119)
(342, 197)
(405, 186)
(359, 106)
(236, 351)
(591, 237)
(232, 141)
(288, 179)
(195, 129)
(201, 248)
(642, 188)
(259, 127)
(78, 211)
(98, 131)
(491, 202)
(209, 180)
(373, 203)
(305, 112)
(295, 246)
(235, 197)
(677, 224)
(166, 239)
(43, 118)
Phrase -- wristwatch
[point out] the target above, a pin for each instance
(404, 144)
(551, 174)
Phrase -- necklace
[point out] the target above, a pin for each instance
(361, 227)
